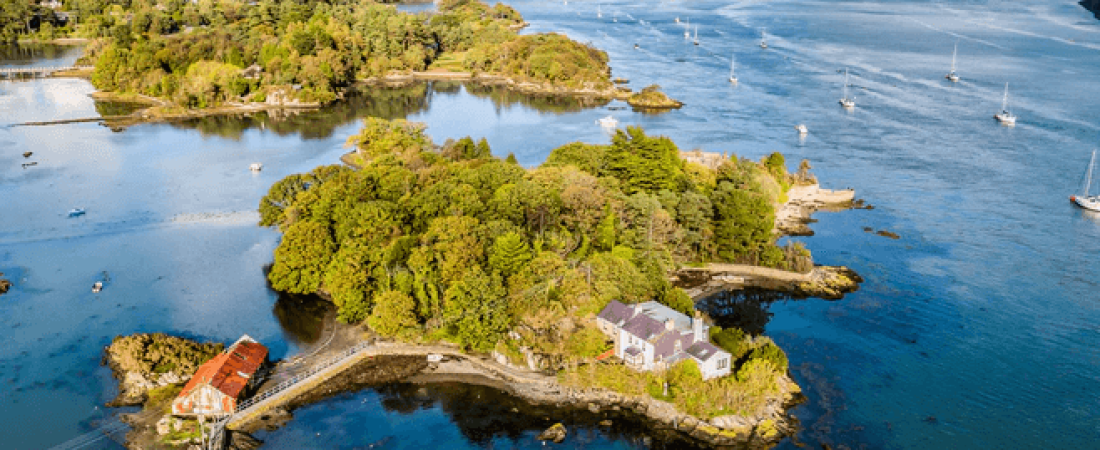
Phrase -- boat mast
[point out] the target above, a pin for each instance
(845, 83)
(1088, 175)
(733, 65)
(953, 54)
(1004, 102)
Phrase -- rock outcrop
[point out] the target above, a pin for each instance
(143, 362)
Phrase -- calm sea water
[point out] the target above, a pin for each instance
(978, 328)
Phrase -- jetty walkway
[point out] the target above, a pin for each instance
(306, 378)
(37, 72)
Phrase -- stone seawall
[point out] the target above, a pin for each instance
(762, 431)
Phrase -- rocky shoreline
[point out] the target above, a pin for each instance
(407, 363)
(793, 216)
(488, 79)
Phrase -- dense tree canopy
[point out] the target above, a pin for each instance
(471, 246)
(195, 54)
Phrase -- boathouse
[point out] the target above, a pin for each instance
(219, 382)
(650, 336)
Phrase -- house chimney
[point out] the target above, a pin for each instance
(697, 327)
(669, 324)
(634, 309)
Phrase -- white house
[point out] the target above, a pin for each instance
(652, 336)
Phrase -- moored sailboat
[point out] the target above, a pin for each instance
(733, 67)
(764, 38)
(846, 101)
(1005, 117)
(1085, 200)
(952, 76)
(696, 42)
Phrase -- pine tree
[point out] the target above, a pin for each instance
(605, 230)
(509, 254)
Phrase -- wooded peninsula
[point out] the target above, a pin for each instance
(427, 243)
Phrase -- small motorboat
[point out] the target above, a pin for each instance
(98, 286)
(256, 167)
(801, 129)
(76, 212)
(608, 122)
(30, 164)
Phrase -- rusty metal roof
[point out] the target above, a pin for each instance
(229, 372)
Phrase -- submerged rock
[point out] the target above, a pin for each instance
(555, 433)
(4, 285)
(888, 234)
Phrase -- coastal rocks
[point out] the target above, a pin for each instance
(829, 282)
(792, 217)
(273, 419)
(4, 284)
(555, 433)
(651, 98)
(888, 234)
(143, 362)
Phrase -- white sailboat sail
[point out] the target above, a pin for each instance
(764, 38)
(846, 101)
(1005, 116)
(733, 69)
(954, 77)
(696, 35)
(1086, 200)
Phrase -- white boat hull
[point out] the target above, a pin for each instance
(1089, 203)
(952, 78)
(1005, 118)
(847, 103)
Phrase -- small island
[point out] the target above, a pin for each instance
(651, 98)
(184, 61)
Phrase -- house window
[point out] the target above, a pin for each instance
(723, 363)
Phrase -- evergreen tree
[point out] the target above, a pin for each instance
(606, 231)
(511, 159)
(393, 313)
(301, 258)
(643, 163)
(475, 310)
(509, 254)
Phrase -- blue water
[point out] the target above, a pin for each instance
(976, 329)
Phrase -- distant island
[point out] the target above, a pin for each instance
(235, 56)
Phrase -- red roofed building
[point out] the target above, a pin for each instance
(219, 382)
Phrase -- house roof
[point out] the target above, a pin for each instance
(229, 372)
(665, 344)
(616, 312)
(662, 313)
(705, 350)
(644, 327)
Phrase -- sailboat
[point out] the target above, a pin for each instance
(764, 38)
(677, 19)
(696, 42)
(1089, 202)
(846, 101)
(1005, 117)
(733, 66)
(599, 13)
(952, 75)
(687, 34)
